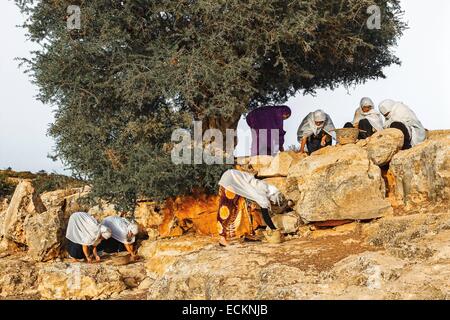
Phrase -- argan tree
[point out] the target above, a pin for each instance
(135, 70)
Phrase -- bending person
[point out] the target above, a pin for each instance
(400, 116)
(315, 131)
(123, 236)
(367, 119)
(267, 129)
(83, 234)
(240, 196)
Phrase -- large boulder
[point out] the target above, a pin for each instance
(280, 164)
(25, 202)
(383, 145)
(44, 233)
(438, 134)
(254, 163)
(56, 198)
(421, 174)
(338, 183)
(70, 200)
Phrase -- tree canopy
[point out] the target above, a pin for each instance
(136, 70)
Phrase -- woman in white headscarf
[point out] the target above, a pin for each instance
(83, 234)
(400, 116)
(367, 119)
(123, 235)
(240, 196)
(315, 131)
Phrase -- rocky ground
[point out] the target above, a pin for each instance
(405, 257)
(397, 245)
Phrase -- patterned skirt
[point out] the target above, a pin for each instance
(237, 217)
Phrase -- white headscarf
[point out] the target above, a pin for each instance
(399, 112)
(105, 232)
(386, 107)
(308, 126)
(247, 186)
(85, 230)
(120, 227)
(374, 117)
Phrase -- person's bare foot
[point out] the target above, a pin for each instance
(223, 242)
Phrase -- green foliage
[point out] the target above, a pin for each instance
(139, 69)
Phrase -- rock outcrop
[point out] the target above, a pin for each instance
(390, 258)
(438, 134)
(421, 175)
(18, 277)
(71, 199)
(149, 217)
(383, 145)
(197, 213)
(335, 265)
(25, 202)
(280, 164)
(333, 183)
(44, 234)
(255, 163)
(398, 256)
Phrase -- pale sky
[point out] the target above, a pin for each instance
(421, 82)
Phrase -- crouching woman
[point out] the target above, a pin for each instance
(240, 194)
(123, 236)
(83, 235)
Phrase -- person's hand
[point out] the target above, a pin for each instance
(89, 260)
(323, 143)
(97, 258)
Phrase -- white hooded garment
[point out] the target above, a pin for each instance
(120, 227)
(308, 126)
(84, 229)
(399, 112)
(374, 117)
(247, 186)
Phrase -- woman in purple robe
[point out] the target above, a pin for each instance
(263, 121)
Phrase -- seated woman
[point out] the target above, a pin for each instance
(367, 119)
(240, 193)
(123, 235)
(315, 131)
(401, 117)
(83, 234)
